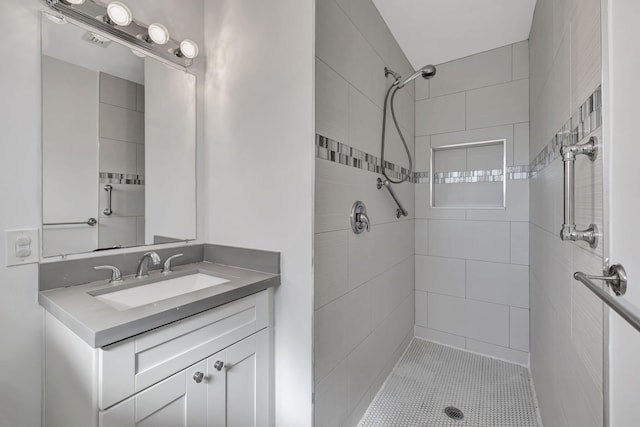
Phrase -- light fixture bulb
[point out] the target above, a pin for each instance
(188, 49)
(119, 13)
(74, 1)
(158, 33)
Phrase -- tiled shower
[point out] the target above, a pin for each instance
(364, 285)
(472, 275)
(497, 282)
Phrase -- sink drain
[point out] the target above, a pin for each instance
(453, 413)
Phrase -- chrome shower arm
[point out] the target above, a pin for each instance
(401, 210)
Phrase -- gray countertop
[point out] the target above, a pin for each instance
(99, 324)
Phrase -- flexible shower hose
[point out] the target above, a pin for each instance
(395, 89)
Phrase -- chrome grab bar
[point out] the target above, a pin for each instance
(617, 279)
(109, 189)
(90, 222)
(400, 211)
(569, 230)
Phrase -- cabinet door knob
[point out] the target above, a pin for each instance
(198, 377)
(219, 365)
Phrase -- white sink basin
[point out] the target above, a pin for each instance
(165, 289)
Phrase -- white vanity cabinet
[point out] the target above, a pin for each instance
(212, 369)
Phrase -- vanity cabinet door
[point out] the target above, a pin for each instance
(238, 386)
(130, 366)
(178, 401)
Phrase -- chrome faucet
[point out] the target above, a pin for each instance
(143, 264)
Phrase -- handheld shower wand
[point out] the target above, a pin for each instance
(427, 72)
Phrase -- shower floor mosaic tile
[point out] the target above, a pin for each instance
(431, 377)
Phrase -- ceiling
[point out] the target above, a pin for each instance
(437, 31)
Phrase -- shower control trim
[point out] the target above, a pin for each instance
(359, 218)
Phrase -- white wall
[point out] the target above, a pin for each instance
(363, 283)
(20, 315)
(621, 93)
(20, 154)
(566, 319)
(258, 172)
(472, 274)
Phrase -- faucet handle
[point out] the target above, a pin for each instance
(363, 218)
(116, 275)
(167, 268)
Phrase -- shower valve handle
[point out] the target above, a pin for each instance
(359, 219)
(364, 219)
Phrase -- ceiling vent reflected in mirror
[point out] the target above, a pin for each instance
(96, 39)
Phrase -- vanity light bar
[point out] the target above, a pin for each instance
(133, 34)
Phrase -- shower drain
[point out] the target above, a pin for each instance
(453, 413)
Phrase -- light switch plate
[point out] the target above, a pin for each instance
(23, 246)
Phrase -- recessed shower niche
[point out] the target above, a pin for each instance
(469, 175)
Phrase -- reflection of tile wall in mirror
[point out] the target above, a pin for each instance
(121, 135)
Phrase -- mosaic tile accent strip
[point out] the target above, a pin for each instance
(465, 177)
(329, 149)
(121, 178)
(431, 377)
(587, 119)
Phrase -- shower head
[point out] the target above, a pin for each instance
(427, 72)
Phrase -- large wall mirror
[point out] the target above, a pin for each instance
(119, 141)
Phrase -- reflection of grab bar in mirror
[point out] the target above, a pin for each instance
(109, 189)
(401, 210)
(90, 222)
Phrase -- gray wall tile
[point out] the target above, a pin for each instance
(475, 71)
(330, 266)
(440, 115)
(365, 299)
(118, 92)
(332, 104)
(118, 156)
(121, 124)
(521, 60)
(498, 105)
(566, 319)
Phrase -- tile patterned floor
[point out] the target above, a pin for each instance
(430, 377)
